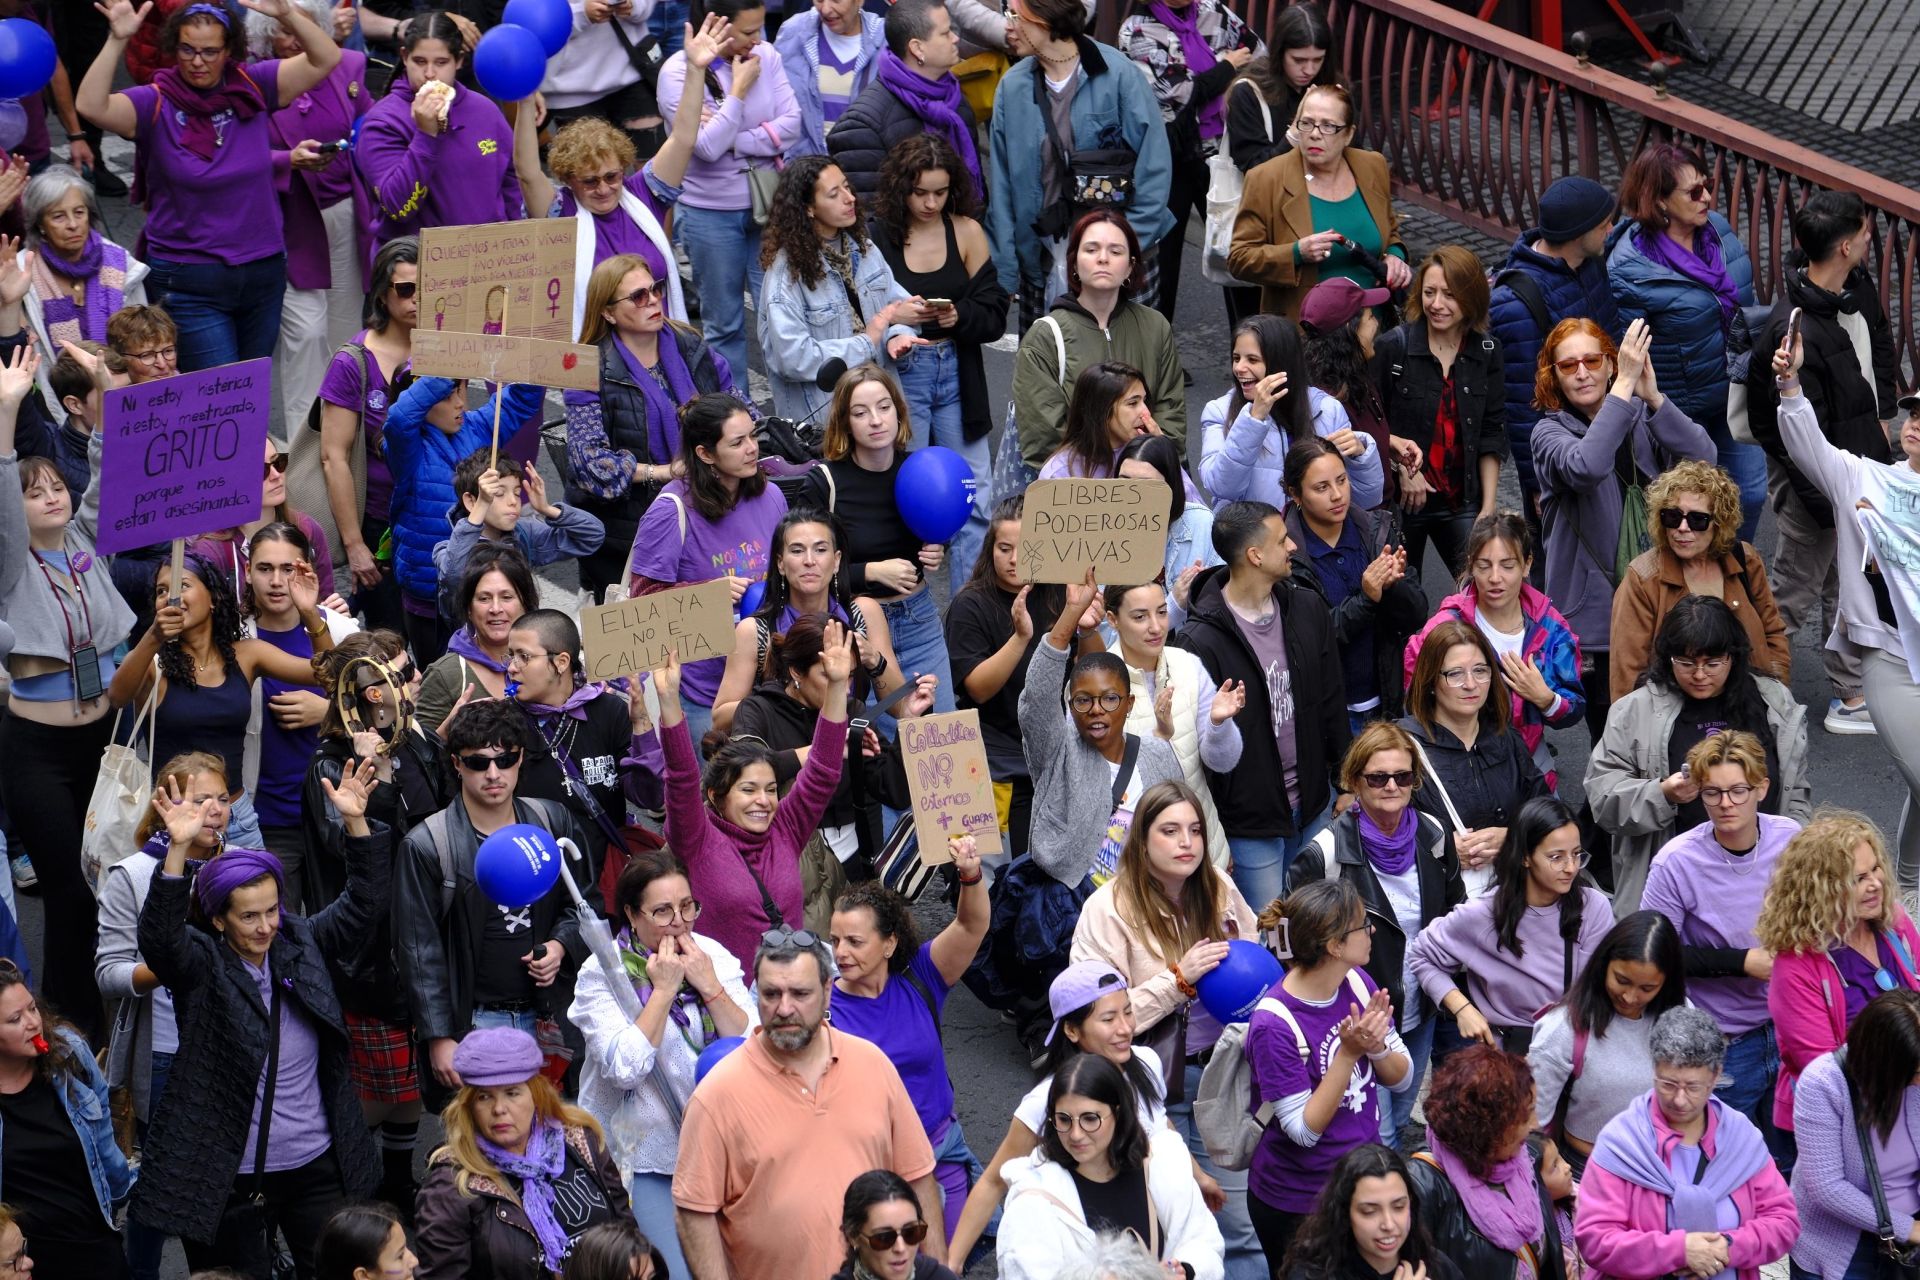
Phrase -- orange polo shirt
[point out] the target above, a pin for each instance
(773, 1158)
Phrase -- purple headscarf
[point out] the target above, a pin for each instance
(232, 869)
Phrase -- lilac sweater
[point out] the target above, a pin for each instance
(741, 132)
(1829, 1177)
(1508, 990)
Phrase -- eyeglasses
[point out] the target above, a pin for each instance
(12, 1265)
(525, 656)
(1467, 677)
(405, 288)
(1593, 362)
(789, 939)
(1363, 927)
(1693, 666)
(1579, 858)
(194, 53)
(1379, 781)
(612, 178)
(1681, 1088)
(1088, 1122)
(1698, 191)
(1109, 701)
(478, 763)
(159, 355)
(913, 1233)
(1737, 794)
(688, 911)
(1318, 128)
(1674, 517)
(645, 293)
(277, 463)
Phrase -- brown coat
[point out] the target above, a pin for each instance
(1275, 213)
(1655, 583)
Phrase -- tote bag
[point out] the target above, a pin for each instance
(121, 794)
(1224, 186)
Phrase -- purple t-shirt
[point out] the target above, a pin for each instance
(298, 1134)
(736, 543)
(614, 232)
(223, 210)
(897, 1020)
(1860, 981)
(342, 386)
(284, 753)
(1285, 1174)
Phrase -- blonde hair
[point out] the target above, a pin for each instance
(1711, 483)
(462, 1146)
(1736, 747)
(180, 769)
(603, 290)
(579, 145)
(837, 443)
(1378, 736)
(1169, 928)
(1809, 901)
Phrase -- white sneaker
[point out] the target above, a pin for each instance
(1844, 719)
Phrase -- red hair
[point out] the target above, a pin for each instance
(1478, 1095)
(1652, 177)
(1136, 278)
(1546, 379)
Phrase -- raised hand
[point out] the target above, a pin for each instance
(666, 679)
(16, 375)
(467, 694)
(1228, 701)
(14, 269)
(1080, 596)
(354, 791)
(706, 44)
(537, 493)
(1022, 620)
(123, 20)
(275, 9)
(305, 590)
(185, 819)
(637, 713)
(836, 653)
(1183, 585)
(1632, 360)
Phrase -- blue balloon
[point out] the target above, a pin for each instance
(712, 1054)
(751, 602)
(517, 864)
(1248, 973)
(510, 63)
(934, 492)
(551, 20)
(26, 58)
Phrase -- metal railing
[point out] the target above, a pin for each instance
(1475, 121)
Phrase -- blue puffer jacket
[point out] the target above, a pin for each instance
(423, 459)
(1586, 292)
(1689, 346)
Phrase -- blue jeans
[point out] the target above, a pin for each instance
(519, 1019)
(1397, 1108)
(243, 826)
(667, 25)
(920, 643)
(1747, 1082)
(1863, 1265)
(1747, 464)
(223, 313)
(930, 380)
(1260, 864)
(653, 1210)
(723, 247)
(144, 1243)
(1245, 1261)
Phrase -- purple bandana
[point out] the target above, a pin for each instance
(1390, 854)
(229, 871)
(663, 403)
(545, 1160)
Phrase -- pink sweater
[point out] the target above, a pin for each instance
(723, 859)
(1810, 1012)
(1621, 1228)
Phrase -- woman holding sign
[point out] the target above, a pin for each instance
(68, 620)
(203, 167)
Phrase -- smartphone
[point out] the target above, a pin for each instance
(329, 148)
(1793, 327)
(86, 674)
(937, 304)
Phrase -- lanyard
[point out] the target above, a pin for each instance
(60, 597)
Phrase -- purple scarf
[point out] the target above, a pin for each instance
(663, 403)
(103, 266)
(221, 875)
(575, 705)
(1390, 854)
(1505, 1205)
(1704, 266)
(464, 644)
(937, 103)
(236, 92)
(1199, 56)
(546, 1158)
(1632, 1147)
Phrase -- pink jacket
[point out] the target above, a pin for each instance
(1621, 1229)
(1810, 1013)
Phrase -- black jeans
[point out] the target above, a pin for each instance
(1186, 192)
(297, 1201)
(1276, 1229)
(427, 637)
(1448, 530)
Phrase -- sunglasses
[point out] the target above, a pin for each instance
(646, 293)
(1674, 517)
(790, 939)
(612, 178)
(405, 288)
(1699, 191)
(277, 463)
(1379, 781)
(1594, 362)
(478, 763)
(913, 1233)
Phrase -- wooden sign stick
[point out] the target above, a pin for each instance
(179, 566)
(493, 457)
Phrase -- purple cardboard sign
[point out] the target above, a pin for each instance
(183, 456)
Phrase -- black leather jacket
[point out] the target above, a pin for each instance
(1409, 380)
(1455, 1235)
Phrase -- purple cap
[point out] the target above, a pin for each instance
(1078, 986)
(493, 1056)
(1332, 303)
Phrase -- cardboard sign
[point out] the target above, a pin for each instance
(631, 636)
(533, 361)
(946, 761)
(1116, 527)
(182, 456)
(499, 278)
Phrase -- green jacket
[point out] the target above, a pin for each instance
(1135, 334)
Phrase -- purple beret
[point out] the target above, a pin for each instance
(231, 869)
(492, 1056)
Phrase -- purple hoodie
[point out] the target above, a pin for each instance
(1714, 901)
(462, 175)
(1508, 990)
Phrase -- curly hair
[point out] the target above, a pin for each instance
(228, 625)
(892, 918)
(1809, 902)
(790, 221)
(582, 144)
(1336, 362)
(1713, 484)
(233, 30)
(1546, 378)
(1732, 746)
(910, 158)
(1476, 1098)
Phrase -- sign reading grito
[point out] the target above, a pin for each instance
(1118, 528)
(631, 636)
(946, 761)
(182, 456)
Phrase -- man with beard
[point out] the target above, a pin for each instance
(776, 1131)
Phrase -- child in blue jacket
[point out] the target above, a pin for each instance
(491, 510)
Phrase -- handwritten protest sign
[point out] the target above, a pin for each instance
(946, 761)
(630, 636)
(181, 456)
(1116, 527)
(533, 361)
(504, 278)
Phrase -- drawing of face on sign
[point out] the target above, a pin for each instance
(496, 309)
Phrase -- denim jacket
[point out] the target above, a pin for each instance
(802, 327)
(84, 1094)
